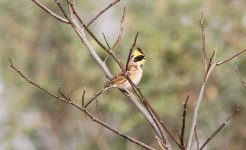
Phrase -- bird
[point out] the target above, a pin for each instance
(134, 72)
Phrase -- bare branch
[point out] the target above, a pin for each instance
(129, 55)
(199, 100)
(197, 140)
(241, 79)
(97, 110)
(183, 123)
(133, 100)
(34, 84)
(160, 143)
(105, 39)
(177, 130)
(203, 40)
(221, 126)
(228, 59)
(83, 38)
(101, 12)
(83, 99)
(95, 96)
(94, 37)
(120, 33)
(50, 12)
(67, 100)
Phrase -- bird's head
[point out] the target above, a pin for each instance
(138, 57)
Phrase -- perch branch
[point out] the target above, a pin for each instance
(67, 100)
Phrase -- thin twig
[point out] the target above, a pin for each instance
(197, 140)
(203, 40)
(177, 130)
(95, 96)
(29, 81)
(129, 55)
(221, 126)
(94, 37)
(63, 95)
(97, 110)
(183, 122)
(240, 77)
(105, 39)
(210, 60)
(83, 99)
(101, 12)
(228, 59)
(50, 12)
(120, 33)
(160, 143)
(67, 100)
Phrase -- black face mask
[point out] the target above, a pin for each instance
(139, 58)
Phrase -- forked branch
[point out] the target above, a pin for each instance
(67, 100)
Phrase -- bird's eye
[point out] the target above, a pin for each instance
(138, 58)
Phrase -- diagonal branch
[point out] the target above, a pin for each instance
(101, 12)
(221, 126)
(50, 11)
(228, 59)
(67, 100)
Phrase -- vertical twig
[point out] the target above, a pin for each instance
(120, 33)
(203, 40)
(183, 123)
(197, 140)
(83, 99)
(129, 55)
(240, 77)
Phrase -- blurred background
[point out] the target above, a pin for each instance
(51, 54)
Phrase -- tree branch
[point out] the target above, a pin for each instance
(228, 59)
(203, 40)
(101, 12)
(183, 123)
(67, 100)
(81, 34)
(50, 12)
(197, 140)
(221, 127)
